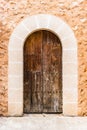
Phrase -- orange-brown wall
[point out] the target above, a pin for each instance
(71, 11)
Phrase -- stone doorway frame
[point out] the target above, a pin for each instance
(69, 62)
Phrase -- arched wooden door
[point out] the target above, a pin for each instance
(42, 73)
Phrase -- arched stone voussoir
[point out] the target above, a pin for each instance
(69, 60)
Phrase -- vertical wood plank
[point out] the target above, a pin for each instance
(52, 82)
(33, 73)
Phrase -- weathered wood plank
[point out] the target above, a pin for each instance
(33, 73)
(51, 73)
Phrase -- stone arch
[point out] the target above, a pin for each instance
(69, 62)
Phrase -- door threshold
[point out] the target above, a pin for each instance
(42, 114)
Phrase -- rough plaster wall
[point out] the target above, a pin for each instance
(72, 11)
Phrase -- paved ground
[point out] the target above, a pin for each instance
(43, 122)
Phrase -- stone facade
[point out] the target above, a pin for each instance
(69, 65)
(73, 12)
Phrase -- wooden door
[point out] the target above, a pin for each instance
(42, 73)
